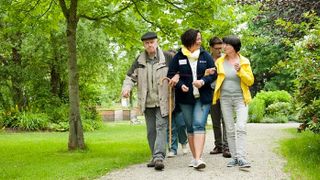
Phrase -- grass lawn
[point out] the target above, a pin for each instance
(44, 155)
(302, 152)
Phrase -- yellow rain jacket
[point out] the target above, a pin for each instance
(245, 74)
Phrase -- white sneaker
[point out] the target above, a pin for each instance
(171, 154)
(199, 164)
(192, 163)
(184, 149)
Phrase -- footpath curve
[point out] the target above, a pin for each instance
(261, 145)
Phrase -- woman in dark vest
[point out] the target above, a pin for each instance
(193, 92)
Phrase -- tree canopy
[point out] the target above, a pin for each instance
(35, 56)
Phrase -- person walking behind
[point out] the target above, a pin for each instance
(178, 127)
(221, 143)
(179, 133)
(193, 92)
(147, 71)
(232, 88)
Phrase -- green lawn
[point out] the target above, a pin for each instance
(302, 152)
(44, 155)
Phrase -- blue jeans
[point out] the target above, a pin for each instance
(195, 116)
(178, 131)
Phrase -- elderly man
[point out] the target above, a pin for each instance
(147, 70)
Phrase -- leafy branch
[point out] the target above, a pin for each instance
(106, 16)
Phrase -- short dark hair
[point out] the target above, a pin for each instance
(234, 41)
(215, 40)
(189, 37)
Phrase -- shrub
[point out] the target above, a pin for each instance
(270, 104)
(271, 97)
(60, 127)
(58, 114)
(256, 110)
(32, 121)
(10, 118)
(279, 108)
(54, 119)
(311, 114)
(91, 125)
(276, 118)
(304, 64)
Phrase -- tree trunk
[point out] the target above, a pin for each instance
(76, 139)
(17, 92)
(54, 67)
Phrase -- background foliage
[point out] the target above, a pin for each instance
(281, 38)
(271, 107)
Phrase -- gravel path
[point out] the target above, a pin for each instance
(261, 144)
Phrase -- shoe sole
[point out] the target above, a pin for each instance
(200, 166)
(245, 166)
(231, 165)
(171, 156)
(215, 152)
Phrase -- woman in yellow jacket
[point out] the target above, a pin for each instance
(232, 88)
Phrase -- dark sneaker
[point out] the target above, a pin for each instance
(232, 163)
(216, 150)
(226, 153)
(159, 164)
(151, 164)
(243, 163)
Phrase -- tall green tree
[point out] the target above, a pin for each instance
(76, 138)
(89, 47)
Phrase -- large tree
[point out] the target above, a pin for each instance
(76, 138)
(102, 41)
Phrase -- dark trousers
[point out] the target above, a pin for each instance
(220, 135)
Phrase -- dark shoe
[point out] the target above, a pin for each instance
(216, 150)
(226, 153)
(151, 164)
(159, 164)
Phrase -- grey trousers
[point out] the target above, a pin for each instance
(156, 132)
(236, 128)
(219, 132)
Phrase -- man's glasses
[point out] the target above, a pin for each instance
(216, 48)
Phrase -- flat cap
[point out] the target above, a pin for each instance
(149, 35)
